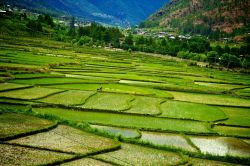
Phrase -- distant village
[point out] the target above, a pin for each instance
(169, 35)
(161, 34)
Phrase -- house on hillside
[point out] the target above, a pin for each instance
(141, 32)
(2, 12)
(172, 37)
(64, 18)
(162, 34)
(9, 9)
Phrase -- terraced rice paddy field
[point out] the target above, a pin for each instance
(62, 105)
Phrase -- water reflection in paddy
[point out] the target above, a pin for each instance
(116, 131)
(167, 139)
(222, 146)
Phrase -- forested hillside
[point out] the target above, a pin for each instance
(205, 17)
(115, 12)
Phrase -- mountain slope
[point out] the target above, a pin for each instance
(202, 16)
(119, 12)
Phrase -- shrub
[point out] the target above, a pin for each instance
(229, 61)
(183, 54)
(84, 40)
(212, 57)
(34, 25)
(73, 41)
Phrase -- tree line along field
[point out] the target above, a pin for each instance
(91, 106)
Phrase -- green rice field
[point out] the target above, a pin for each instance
(65, 105)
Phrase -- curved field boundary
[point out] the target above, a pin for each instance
(85, 155)
(58, 80)
(165, 86)
(58, 102)
(17, 88)
(186, 96)
(90, 77)
(160, 130)
(115, 132)
(38, 148)
(143, 156)
(15, 101)
(95, 107)
(31, 68)
(237, 92)
(138, 106)
(38, 104)
(117, 120)
(13, 98)
(222, 82)
(137, 94)
(77, 156)
(26, 152)
(168, 95)
(124, 112)
(233, 159)
(37, 77)
(17, 96)
(94, 152)
(191, 111)
(29, 133)
(229, 125)
(71, 140)
(232, 131)
(189, 119)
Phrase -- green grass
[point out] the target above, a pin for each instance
(232, 131)
(29, 93)
(15, 101)
(12, 125)
(92, 78)
(16, 155)
(236, 116)
(9, 66)
(67, 139)
(210, 99)
(243, 92)
(82, 86)
(219, 86)
(36, 75)
(29, 58)
(119, 76)
(51, 81)
(117, 88)
(71, 97)
(146, 105)
(185, 110)
(13, 107)
(129, 121)
(108, 101)
(173, 84)
(138, 155)
(135, 90)
(10, 86)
